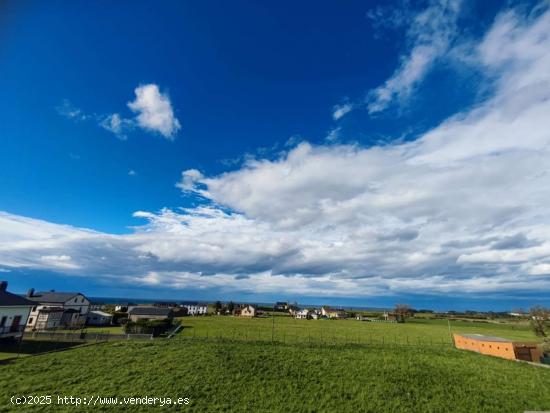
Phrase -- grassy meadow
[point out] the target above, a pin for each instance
(289, 330)
(226, 376)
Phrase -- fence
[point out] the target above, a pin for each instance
(85, 336)
(279, 337)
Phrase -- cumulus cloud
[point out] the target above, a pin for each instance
(464, 208)
(188, 180)
(154, 111)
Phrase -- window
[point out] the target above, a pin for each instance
(3, 321)
(34, 308)
(30, 320)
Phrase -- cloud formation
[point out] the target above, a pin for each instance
(464, 208)
(153, 110)
(430, 34)
(339, 111)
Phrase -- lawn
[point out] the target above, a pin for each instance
(290, 330)
(230, 376)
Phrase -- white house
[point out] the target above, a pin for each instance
(333, 313)
(14, 312)
(303, 314)
(48, 318)
(75, 308)
(195, 308)
(247, 311)
(99, 318)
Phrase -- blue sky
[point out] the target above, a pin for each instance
(358, 153)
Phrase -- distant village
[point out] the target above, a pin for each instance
(58, 310)
(50, 310)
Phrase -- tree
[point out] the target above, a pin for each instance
(217, 307)
(540, 320)
(231, 306)
(402, 311)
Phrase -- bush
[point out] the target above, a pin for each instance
(144, 326)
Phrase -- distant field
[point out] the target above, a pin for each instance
(290, 330)
(261, 377)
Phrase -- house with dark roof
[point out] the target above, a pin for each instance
(75, 308)
(14, 313)
(149, 313)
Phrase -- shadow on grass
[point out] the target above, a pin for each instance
(11, 348)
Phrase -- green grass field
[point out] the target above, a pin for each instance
(290, 330)
(232, 370)
(261, 377)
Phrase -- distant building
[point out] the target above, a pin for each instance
(99, 318)
(75, 308)
(165, 304)
(247, 311)
(195, 307)
(123, 307)
(333, 313)
(304, 314)
(14, 313)
(149, 313)
(499, 347)
(281, 306)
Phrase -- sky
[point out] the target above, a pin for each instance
(356, 153)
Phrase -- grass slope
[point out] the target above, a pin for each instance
(260, 377)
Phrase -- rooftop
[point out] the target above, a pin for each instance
(51, 296)
(150, 311)
(9, 299)
(482, 337)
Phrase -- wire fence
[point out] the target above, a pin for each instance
(85, 336)
(308, 338)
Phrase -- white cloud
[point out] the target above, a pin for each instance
(154, 111)
(430, 35)
(117, 125)
(131, 172)
(188, 180)
(339, 111)
(464, 208)
(68, 110)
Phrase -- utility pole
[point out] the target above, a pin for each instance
(273, 324)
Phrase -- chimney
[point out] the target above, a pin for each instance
(3, 286)
(30, 293)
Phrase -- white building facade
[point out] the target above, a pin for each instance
(14, 313)
(75, 308)
(195, 308)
